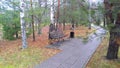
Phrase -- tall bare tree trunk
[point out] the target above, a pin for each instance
(51, 26)
(58, 11)
(39, 22)
(104, 22)
(32, 17)
(89, 15)
(46, 6)
(22, 15)
(52, 11)
(64, 14)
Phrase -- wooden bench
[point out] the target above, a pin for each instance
(56, 36)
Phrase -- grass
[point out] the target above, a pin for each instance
(11, 56)
(99, 60)
(23, 58)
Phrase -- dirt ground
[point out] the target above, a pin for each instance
(41, 41)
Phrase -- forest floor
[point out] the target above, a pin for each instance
(99, 60)
(12, 56)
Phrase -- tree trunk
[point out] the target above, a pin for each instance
(113, 47)
(112, 52)
(16, 32)
(52, 11)
(63, 24)
(89, 26)
(46, 7)
(73, 24)
(114, 40)
(39, 29)
(64, 21)
(32, 17)
(39, 20)
(58, 12)
(104, 22)
(23, 31)
(33, 30)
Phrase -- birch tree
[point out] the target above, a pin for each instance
(22, 21)
(52, 11)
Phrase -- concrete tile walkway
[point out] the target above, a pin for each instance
(74, 54)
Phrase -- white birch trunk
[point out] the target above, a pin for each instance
(89, 14)
(22, 21)
(52, 11)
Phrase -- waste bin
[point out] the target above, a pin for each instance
(72, 34)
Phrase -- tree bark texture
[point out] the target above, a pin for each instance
(32, 17)
(23, 31)
(112, 52)
(113, 48)
(52, 11)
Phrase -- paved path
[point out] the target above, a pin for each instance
(75, 53)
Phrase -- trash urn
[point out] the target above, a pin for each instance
(71, 34)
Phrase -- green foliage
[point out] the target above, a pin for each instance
(10, 19)
(11, 24)
(45, 22)
(74, 12)
(40, 17)
(8, 32)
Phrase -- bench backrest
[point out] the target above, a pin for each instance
(55, 33)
